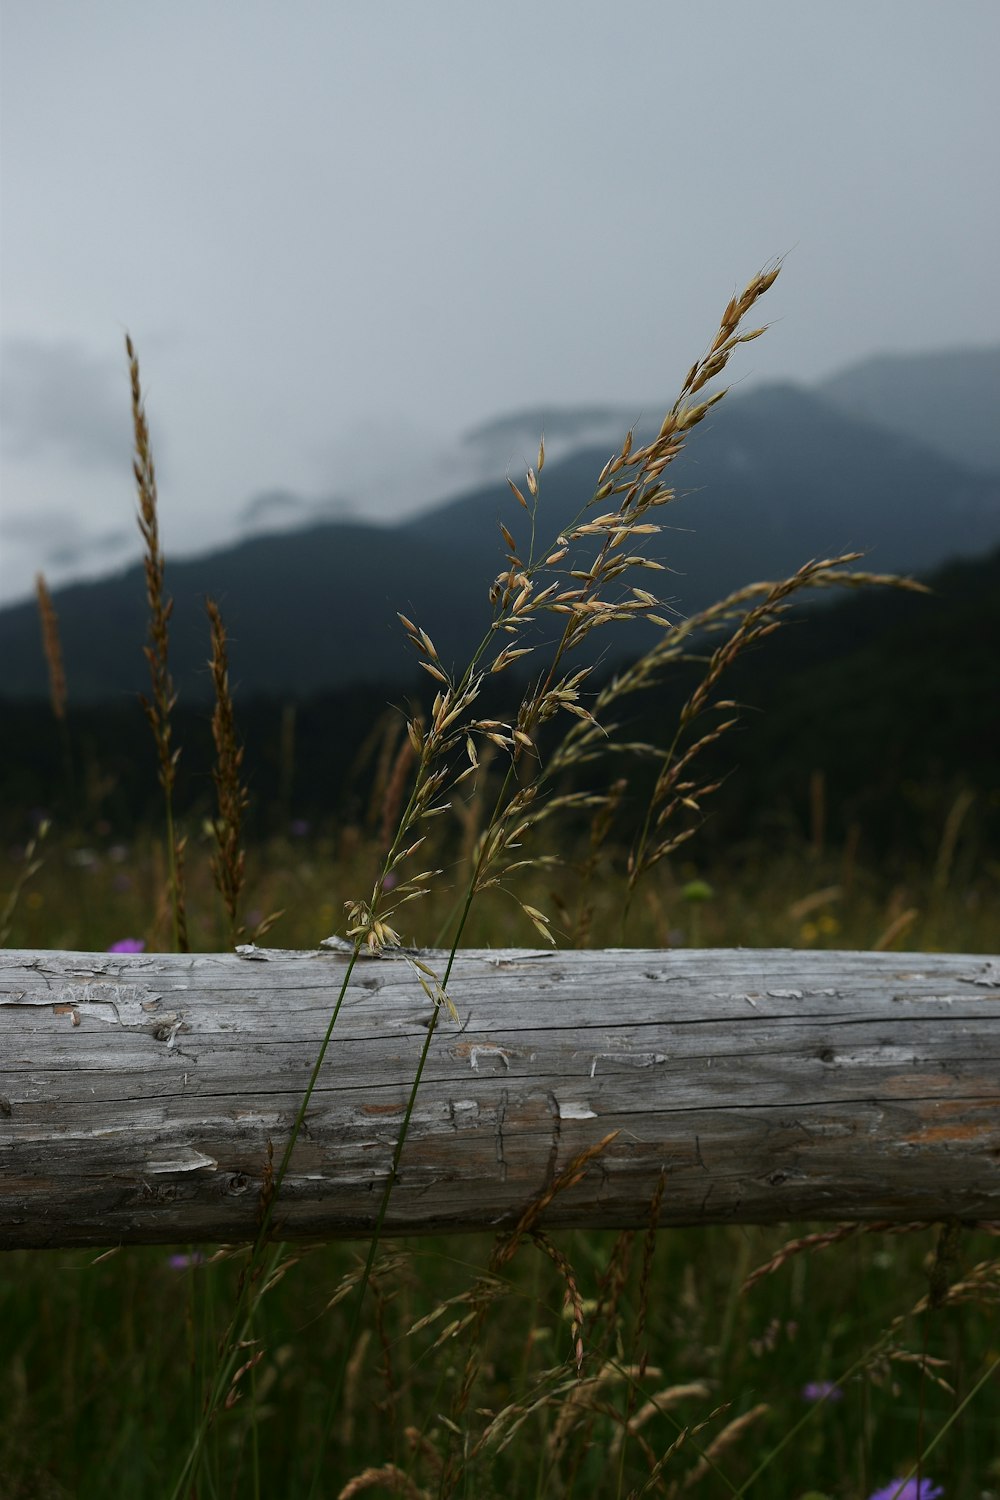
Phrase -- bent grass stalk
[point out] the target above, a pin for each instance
(674, 791)
(368, 921)
(636, 476)
(446, 752)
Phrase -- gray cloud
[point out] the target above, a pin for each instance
(287, 508)
(60, 540)
(105, 548)
(372, 228)
(58, 399)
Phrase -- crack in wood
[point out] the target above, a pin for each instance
(501, 1116)
(552, 1104)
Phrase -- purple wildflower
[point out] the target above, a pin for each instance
(128, 945)
(299, 828)
(822, 1390)
(185, 1262)
(910, 1489)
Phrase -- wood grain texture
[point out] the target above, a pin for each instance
(138, 1093)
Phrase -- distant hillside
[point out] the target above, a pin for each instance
(895, 697)
(776, 477)
(892, 696)
(948, 400)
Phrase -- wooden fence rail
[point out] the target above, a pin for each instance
(139, 1093)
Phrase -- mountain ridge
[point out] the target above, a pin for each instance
(946, 398)
(775, 476)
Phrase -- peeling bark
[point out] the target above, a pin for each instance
(139, 1092)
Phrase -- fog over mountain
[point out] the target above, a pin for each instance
(342, 237)
(777, 475)
(946, 401)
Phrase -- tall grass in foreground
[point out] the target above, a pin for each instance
(158, 708)
(103, 1359)
(627, 1380)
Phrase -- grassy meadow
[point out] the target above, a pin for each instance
(106, 1357)
(794, 1363)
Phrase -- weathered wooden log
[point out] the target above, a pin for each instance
(140, 1094)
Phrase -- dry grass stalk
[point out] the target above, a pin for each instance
(52, 646)
(601, 824)
(605, 1330)
(484, 1293)
(945, 1260)
(29, 868)
(957, 813)
(807, 1243)
(386, 1476)
(572, 1298)
(446, 747)
(747, 616)
(979, 1284)
(605, 1333)
(640, 1354)
(895, 929)
(665, 1400)
(232, 797)
(420, 1444)
(383, 1299)
(386, 1266)
(726, 1439)
(614, 1278)
(394, 791)
(579, 1403)
(159, 706)
(569, 1177)
(654, 1480)
(617, 521)
(592, 1410)
(815, 901)
(352, 1387)
(472, 811)
(646, 1271)
(484, 1290)
(548, 1391)
(379, 745)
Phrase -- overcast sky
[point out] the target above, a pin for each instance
(342, 234)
